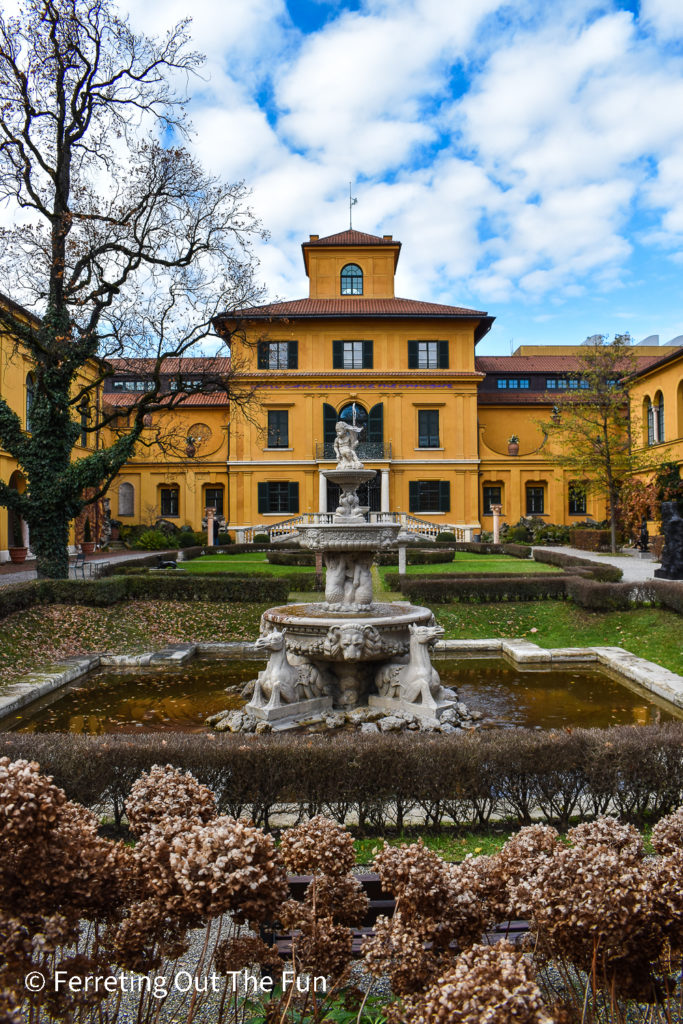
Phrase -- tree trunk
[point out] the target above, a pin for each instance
(49, 541)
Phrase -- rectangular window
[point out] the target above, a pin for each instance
(429, 496)
(352, 355)
(213, 497)
(502, 383)
(551, 383)
(278, 355)
(573, 383)
(428, 428)
(513, 382)
(168, 500)
(577, 500)
(492, 496)
(278, 428)
(535, 501)
(428, 355)
(524, 382)
(278, 496)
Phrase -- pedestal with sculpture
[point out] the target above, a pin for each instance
(348, 652)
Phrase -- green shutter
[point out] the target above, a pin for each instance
(367, 355)
(337, 355)
(414, 496)
(444, 496)
(262, 497)
(284, 429)
(375, 428)
(293, 355)
(293, 503)
(412, 355)
(442, 358)
(329, 424)
(263, 355)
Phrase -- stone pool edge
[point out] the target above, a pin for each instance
(647, 674)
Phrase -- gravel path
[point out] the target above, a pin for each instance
(634, 568)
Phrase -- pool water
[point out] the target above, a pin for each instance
(180, 698)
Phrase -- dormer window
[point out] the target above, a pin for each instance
(351, 280)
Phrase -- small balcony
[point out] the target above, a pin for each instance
(367, 451)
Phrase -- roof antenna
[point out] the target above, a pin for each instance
(352, 203)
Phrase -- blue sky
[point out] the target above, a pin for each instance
(528, 154)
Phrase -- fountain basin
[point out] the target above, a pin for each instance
(349, 535)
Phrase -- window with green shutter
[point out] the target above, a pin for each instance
(429, 495)
(428, 355)
(352, 355)
(278, 496)
(278, 355)
(428, 428)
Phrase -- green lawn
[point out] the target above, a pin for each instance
(250, 561)
(470, 565)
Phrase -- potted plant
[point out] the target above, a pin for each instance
(17, 551)
(87, 544)
(513, 445)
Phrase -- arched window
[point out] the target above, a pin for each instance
(85, 416)
(659, 417)
(357, 415)
(126, 500)
(30, 397)
(649, 417)
(351, 280)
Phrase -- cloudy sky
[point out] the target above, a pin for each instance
(528, 154)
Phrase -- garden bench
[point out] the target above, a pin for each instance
(79, 565)
(381, 904)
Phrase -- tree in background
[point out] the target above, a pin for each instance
(121, 244)
(589, 433)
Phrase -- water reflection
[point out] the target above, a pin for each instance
(180, 698)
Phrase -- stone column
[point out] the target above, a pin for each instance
(322, 493)
(384, 496)
(495, 512)
(210, 513)
(402, 559)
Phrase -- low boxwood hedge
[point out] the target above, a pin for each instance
(417, 556)
(446, 589)
(515, 550)
(600, 570)
(291, 557)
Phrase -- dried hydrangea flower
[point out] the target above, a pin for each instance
(165, 793)
(667, 834)
(319, 846)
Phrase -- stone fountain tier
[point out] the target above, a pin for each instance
(349, 535)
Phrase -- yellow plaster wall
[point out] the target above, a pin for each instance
(324, 266)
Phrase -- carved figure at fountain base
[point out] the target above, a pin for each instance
(412, 682)
(348, 582)
(287, 679)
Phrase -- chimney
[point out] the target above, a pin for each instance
(313, 238)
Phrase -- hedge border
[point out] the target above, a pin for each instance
(468, 780)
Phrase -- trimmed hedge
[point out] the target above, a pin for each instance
(295, 557)
(600, 571)
(417, 556)
(669, 593)
(468, 779)
(588, 539)
(446, 589)
(515, 550)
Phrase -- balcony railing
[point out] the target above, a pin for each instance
(367, 451)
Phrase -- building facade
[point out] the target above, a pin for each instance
(450, 433)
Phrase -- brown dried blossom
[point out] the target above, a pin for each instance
(398, 951)
(150, 931)
(166, 793)
(319, 846)
(520, 857)
(418, 878)
(609, 832)
(340, 898)
(324, 948)
(667, 834)
(10, 1010)
(666, 875)
(247, 951)
(491, 984)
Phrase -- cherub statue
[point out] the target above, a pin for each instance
(345, 444)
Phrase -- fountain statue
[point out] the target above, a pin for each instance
(347, 652)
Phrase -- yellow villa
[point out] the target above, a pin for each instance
(449, 432)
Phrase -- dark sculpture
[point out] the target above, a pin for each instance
(643, 541)
(672, 555)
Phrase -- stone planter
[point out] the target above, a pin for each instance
(88, 547)
(513, 449)
(18, 555)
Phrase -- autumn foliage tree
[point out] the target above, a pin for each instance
(589, 432)
(119, 243)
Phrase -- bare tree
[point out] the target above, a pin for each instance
(120, 242)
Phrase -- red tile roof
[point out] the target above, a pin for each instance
(186, 364)
(127, 398)
(352, 237)
(515, 397)
(352, 307)
(657, 361)
(541, 364)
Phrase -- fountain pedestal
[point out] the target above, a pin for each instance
(348, 651)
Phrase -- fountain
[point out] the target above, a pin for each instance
(348, 654)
